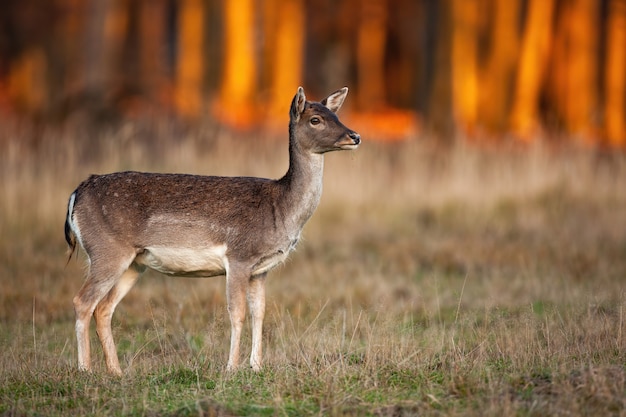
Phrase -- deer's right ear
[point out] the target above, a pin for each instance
(334, 101)
(297, 105)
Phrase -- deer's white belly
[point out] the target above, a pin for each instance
(192, 262)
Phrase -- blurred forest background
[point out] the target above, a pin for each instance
(482, 70)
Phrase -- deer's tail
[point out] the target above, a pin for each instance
(70, 235)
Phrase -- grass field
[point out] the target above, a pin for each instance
(460, 282)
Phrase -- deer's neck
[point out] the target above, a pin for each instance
(303, 184)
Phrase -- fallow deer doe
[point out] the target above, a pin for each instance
(199, 226)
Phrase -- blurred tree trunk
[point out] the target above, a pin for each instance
(285, 33)
(107, 27)
(533, 63)
(238, 89)
(69, 54)
(152, 21)
(27, 81)
(189, 62)
(371, 39)
(465, 63)
(95, 62)
(556, 86)
(72, 26)
(581, 104)
(439, 113)
(615, 78)
(497, 78)
(573, 83)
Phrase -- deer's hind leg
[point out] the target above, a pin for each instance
(104, 313)
(104, 273)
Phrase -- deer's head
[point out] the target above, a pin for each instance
(315, 128)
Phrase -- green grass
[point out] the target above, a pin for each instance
(454, 283)
(483, 363)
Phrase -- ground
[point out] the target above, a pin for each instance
(464, 281)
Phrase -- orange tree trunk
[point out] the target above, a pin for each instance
(238, 89)
(285, 33)
(533, 63)
(189, 62)
(465, 63)
(615, 77)
(371, 38)
(496, 80)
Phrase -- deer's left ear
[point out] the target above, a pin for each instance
(297, 105)
(334, 101)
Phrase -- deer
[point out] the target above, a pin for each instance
(199, 226)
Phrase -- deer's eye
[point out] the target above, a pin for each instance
(315, 120)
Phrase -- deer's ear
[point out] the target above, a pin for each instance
(297, 105)
(334, 101)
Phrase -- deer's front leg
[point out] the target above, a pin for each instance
(256, 301)
(236, 284)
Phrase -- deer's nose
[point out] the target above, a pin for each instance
(355, 137)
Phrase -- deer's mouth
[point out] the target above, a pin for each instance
(349, 142)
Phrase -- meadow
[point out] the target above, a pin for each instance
(461, 281)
